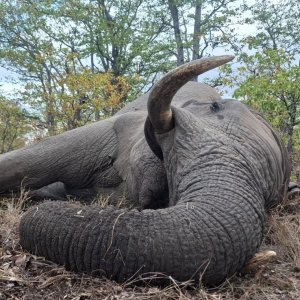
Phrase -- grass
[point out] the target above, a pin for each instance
(25, 276)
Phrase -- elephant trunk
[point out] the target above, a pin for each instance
(159, 103)
(211, 240)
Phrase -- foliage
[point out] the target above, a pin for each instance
(273, 88)
(79, 98)
(201, 26)
(50, 44)
(277, 25)
(13, 125)
(100, 92)
(116, 36)
(267, 75)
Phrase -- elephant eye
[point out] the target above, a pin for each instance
(215, 107)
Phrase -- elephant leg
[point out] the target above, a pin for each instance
(59, 191)
(54, 191)
(77, 158)
(147, 182)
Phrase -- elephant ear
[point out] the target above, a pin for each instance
(161, 95)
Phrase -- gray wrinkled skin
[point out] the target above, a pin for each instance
(222, 167)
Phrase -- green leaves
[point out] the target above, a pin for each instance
(49, 42)
(269, 81)
(278, 25)
(13, 125)
(267, 73)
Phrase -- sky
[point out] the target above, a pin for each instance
(6, 85)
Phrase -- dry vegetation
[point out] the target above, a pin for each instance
(25, 276)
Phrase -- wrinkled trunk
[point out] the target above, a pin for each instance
(214, 237)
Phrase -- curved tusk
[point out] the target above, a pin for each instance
(159, 102)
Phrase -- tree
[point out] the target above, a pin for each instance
(87, 95)
(201, 26)
(277, 25)
(13, 126)
(23, 51)
(273, 88)
(267, 76)
(79, 98)
(48, 42)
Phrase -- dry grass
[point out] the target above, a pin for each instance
(287, 235)
(25, 276)
(122, 202)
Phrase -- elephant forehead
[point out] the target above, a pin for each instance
(215, 107)
(227, 116)
(200, 92)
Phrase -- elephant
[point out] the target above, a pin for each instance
(203, 170)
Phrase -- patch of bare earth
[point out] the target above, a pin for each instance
(25, 276)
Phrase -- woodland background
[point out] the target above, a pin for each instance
(78, 61)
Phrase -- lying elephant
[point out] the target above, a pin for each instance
(210, 167)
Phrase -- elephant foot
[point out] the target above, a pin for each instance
(53, 191)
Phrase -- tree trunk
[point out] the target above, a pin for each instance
(197, 27)
(174, 13)
(292, 123)
(196, 37)
(51, 126)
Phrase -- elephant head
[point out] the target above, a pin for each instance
(223, 166)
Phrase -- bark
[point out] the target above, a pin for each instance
(176, 26)
(197, 29)
(50, 111)
(51, 124)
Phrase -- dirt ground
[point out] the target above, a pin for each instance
(25, 276)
